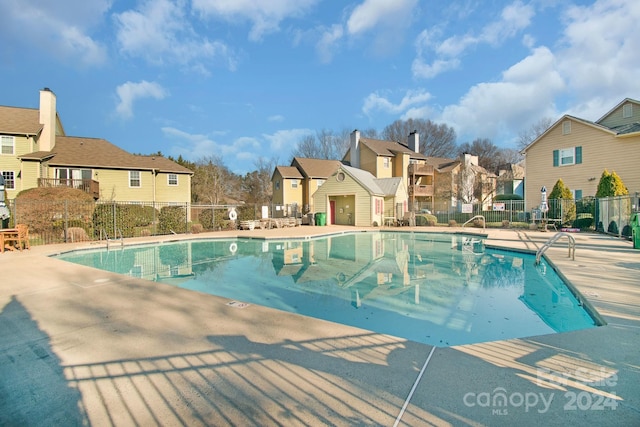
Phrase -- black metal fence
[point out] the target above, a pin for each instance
(61, 221)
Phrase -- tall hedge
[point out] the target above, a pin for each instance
(564, 204)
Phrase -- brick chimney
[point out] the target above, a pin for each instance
(47, 119)
(355, 149)
(414, 142)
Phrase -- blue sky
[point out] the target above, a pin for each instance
(244, 79)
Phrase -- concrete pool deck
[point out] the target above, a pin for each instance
(80, 346)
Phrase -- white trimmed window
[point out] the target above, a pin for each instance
(134, 179)
(9, 180)
(385, 162)
(172, 179)
(294, 183)
(7, 145)
(567, 156)
(277, 185)
(627, 111)
(566, 127)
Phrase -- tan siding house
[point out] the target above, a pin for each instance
(36, 152)
(353, 196)
(578, 151)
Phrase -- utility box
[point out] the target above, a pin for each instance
(635, 230)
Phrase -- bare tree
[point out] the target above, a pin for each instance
(527, 136)
(487, 152)
(256, 185)
(212, 181)
(436, 140)
(325, 144)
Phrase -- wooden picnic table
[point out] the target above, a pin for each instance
(8, 235)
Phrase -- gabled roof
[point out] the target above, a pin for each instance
(99, 153)
(624, 101)
(389, 148)
(315, 168)
(290, 172)
(559, 123)
(375, 186)
(389, 186)
(19, 121)
(365, 178)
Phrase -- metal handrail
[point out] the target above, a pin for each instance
(484, 223)
(552, 240)
(107, 239)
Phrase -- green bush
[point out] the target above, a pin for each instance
(426, 220)
(583, 222)
(500, 197)
(613, 227)
(172, 219)
(127, 218)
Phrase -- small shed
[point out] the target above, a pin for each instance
(352, 196)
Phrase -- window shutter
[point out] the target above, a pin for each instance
(578, 155)
(578, 195)
(556, 158)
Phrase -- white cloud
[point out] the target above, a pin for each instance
(160, 32)
(327, 45)
(599, 55)
(513, 18)
(286, 140)
(265, 15)
(525, 93)
(130, 92)
(374, 102)
(370, 14)
(60, 29)
(276, 118)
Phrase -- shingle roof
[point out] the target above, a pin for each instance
(316, 168)
(389, 148)
(99, 153)
(19, 121)
(626, 129)
(289, 172)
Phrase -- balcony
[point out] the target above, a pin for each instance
(420, 190)
(89, 186)
(420, 170)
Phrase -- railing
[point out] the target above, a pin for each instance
(477, 217)
(552, 240)
(89, 186)
(105, 236)
(417, 169)
(421, 190)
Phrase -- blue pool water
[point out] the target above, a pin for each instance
(439, 289)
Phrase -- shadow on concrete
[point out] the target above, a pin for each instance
(350, 380)
(33, 388)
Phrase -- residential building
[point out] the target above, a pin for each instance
(462, 180)
(353, 196)
(386, 159)
(36, 152)
(510, 180)
(577, 151)
(294, 185)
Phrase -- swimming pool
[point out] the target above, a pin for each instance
(439, 289)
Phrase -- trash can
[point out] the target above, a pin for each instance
(321, 218)
(312, 220)
(635, 230)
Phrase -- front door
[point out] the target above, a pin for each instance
(332, 210)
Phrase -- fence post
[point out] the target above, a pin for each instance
(66, 221)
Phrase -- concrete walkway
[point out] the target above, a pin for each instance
(85, 347)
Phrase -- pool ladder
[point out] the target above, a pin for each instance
(477, 217)
(103, 232)
(552, 240)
